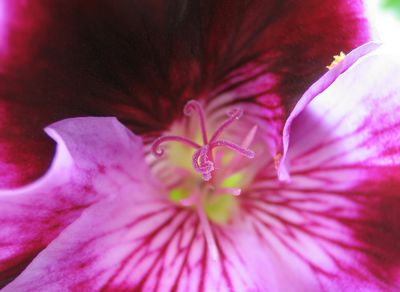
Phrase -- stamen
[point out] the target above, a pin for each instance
(233, 115)
(245, 144)
(196, 199)
(245, 152)
(202, 159)
(192, 105)
(249, 137)
(188, 201)
(208, 234)
(156, 150)
(233, 191)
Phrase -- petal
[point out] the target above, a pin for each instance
(339, 211)
(3, 21)
(318, 87)
(359, 111)
(265, 63)
(142, 61)
(137, 241)
(32, 216)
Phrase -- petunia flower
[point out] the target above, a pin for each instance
(232, 204)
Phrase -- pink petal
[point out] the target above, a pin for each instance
(318, 87)
(89, 152)
(138, 242)
(142, 61)
(267, 61)
(339, 212)
(316, 238)
(3, 25)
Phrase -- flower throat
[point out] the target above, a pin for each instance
(212, 195)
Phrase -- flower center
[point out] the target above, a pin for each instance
(202, 159)
(214, 177)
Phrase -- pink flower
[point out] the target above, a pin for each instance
(285, 196)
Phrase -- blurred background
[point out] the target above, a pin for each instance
(385, 15)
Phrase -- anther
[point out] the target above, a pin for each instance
(336, 60)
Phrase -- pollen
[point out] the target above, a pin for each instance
(277, 159)
(336, 60)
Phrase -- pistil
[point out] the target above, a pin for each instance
(210, 190)
(158, 151)
(202, 160)
(191, 106)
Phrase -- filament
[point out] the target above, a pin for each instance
(222, 143)
(234, 114)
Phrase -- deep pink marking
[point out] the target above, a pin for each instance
(159, 262)
(186, 258)
(208, 233)
(147, 239)
(161, 257)
(24, 250)
(260, 206)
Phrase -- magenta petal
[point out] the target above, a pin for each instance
(317, 88)
(85, 160)
(357, 118)
(3, 26)
(139, 242)
(344, 159)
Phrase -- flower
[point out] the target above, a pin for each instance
(316, 211)
(332, 226)
(111, 58)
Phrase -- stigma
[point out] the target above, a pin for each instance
(212, 188)
(203, 157)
